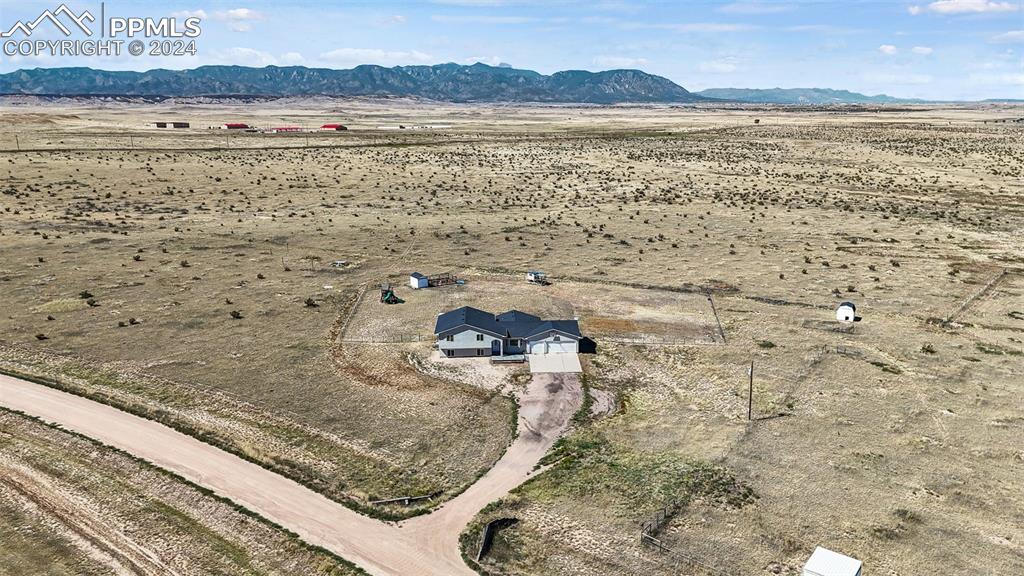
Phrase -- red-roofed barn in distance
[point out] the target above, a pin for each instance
(333, 127)
(235, 126)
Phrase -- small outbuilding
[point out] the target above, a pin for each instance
(824, 562)
(847, 312)
(234, 126)
(333, 127)
(285, 129)
(171, 124)
(537, 277)
(417, 280)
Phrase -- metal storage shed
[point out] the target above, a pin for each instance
(417, 280)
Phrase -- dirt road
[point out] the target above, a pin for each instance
(426, 545)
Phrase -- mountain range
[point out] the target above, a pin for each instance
(442, 82)
(800, 96)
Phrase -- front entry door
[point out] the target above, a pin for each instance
(495, 347)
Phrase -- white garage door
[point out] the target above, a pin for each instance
(549, 347)
(563, 347)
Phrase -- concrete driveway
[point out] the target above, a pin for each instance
(558, 363)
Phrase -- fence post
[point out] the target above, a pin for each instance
(750, 392)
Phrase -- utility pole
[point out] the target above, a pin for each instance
(17, 143)
(131, 142)
(750, 392)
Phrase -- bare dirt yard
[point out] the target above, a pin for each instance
(188, 277)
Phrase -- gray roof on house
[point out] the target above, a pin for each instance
(850, 304)
(417, 275)
(571, 327)
(513, 316)
(511, 324)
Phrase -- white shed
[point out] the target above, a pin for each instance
(824, 562)
(417, 280)
(847, 312)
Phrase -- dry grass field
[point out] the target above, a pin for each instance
(71, 506)
(187, 276)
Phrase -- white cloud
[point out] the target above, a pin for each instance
(189, 14)
(887, 49)
(619, 61)
(755, 8)
(489, 60)
(239, 14)
(291, 59)
(720, 65)
(922, 50)
(1009, 79)
(1008, 37)
(239, 19)
(244, 56)
(966, 7)
(897, 79)
(356, 56)
(394, 19)
(823, 29)
(704, 27)
(481, 19)
(490, 3)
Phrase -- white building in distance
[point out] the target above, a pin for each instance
(824, 562)
(847, 312)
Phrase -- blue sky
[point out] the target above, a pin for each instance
(944, 49)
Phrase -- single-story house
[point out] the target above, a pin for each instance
(469, 331)
(235, 126)
(170, 124)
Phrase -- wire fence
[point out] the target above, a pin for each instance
(649, 530)
(189, 140)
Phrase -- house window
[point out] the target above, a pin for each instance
(480, 337)
(513, 342)
(479, 351)
(450, 338)
(557, 338)
(449, 353)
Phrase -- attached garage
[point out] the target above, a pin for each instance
(553, 343)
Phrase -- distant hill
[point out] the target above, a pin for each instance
(800, 96)
(443, 82)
